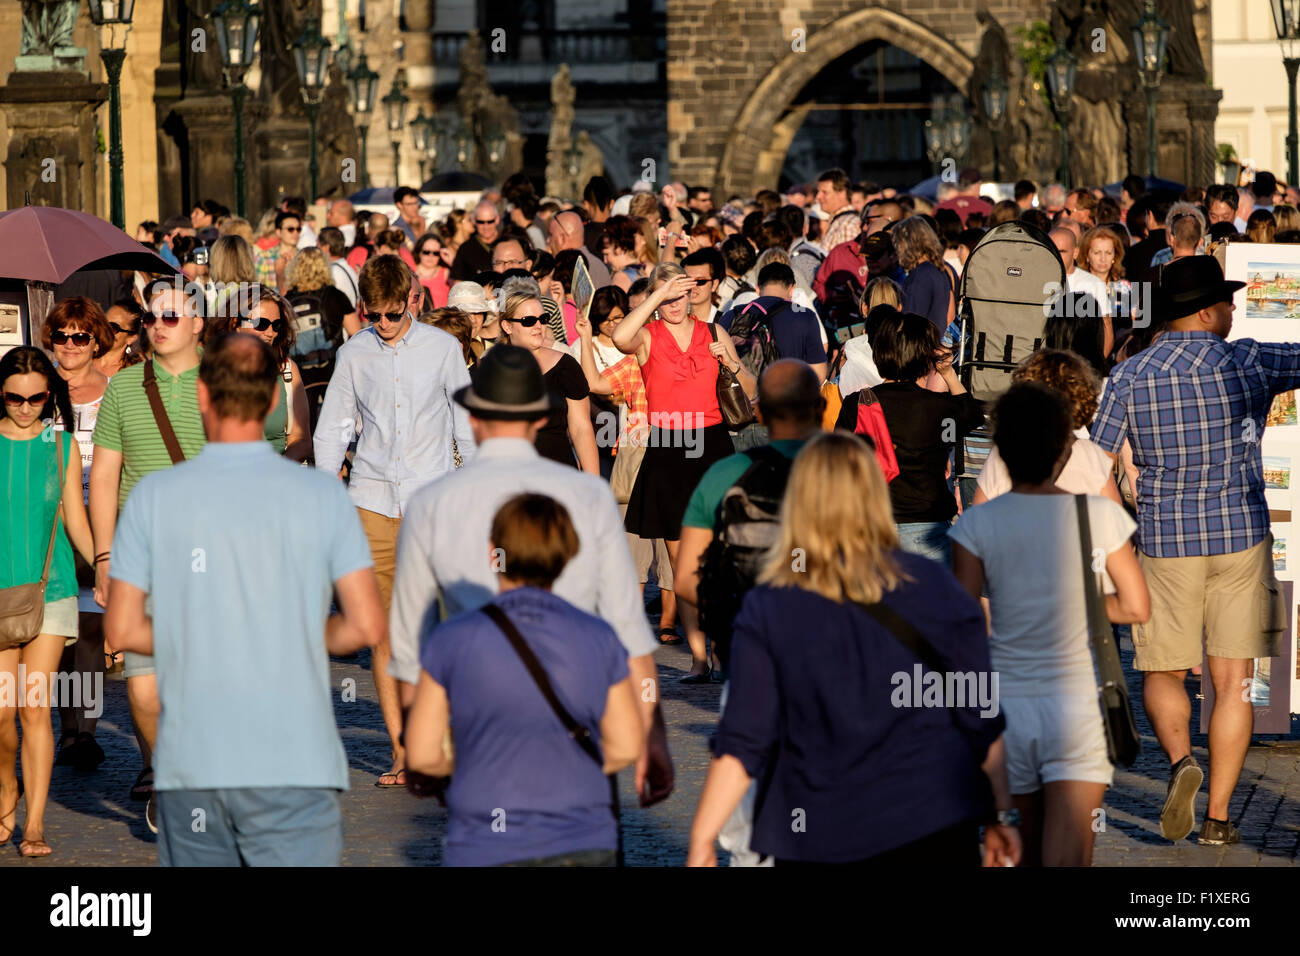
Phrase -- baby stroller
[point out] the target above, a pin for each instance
(1007, 287)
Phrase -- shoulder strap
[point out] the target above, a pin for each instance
(713, 330)
(907, 633)
(578, 732)
(1098, 629)
(160, 415)
(61, 468)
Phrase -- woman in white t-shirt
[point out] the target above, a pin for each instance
(1088, 471)
(77, 331)
(1025, 546)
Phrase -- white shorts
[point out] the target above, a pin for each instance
(1055, 738)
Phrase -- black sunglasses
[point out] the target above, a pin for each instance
(390, 316)
(169, 319)
(260, 323)
(79, 339)
(14, 400)
(485, 222)
(527, 321)
(703, 281)
(129, 331)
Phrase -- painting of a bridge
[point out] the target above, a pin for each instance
(1272, 290)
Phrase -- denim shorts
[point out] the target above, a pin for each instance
(139, 665)
(929, 539)
(61, 619)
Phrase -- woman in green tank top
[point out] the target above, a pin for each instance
(271, 319)
(30, 466)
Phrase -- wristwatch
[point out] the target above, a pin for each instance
(1008, 818)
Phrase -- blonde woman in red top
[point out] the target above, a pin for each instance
(679, 363)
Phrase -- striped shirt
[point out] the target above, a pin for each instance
(126, 423)
(1192, 407)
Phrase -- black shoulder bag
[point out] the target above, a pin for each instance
(1122, 741)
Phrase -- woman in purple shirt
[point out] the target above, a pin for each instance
(525, 792)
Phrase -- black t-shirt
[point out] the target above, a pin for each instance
(923, 427)
(566, 380)
(471, 258)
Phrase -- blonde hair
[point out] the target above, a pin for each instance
(308, 270)
(882, 290)
(650, 244)
(837, 524)
(513, 304)
(266, 224)
(643, 205)
(1286, 216)
(915, 242)
(232, 260)
(236, 226)
(1093, 235)
(663, 273)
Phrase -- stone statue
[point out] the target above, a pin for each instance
(483, 113)
(993, 58)
(46, 42)
(202, 69)
(557, 146)
(47, 26)
(591, 164)
(282, 23)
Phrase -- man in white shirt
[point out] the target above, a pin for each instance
(1076, 279)
(444, 565)
(344, 277)
(397, 376)
(343, 217)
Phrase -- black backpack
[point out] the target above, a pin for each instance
(751, 332)
(318, 337)
(747, 525)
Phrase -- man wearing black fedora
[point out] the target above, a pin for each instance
(1192, 406)
(443, 563)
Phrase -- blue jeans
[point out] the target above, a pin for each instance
(273, 826)
(929, 539)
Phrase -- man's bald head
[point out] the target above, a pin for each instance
(1066, 244)
(789, 397)
(340, 213)
(565, 232)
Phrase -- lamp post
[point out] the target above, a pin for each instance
(934, 133)
(235, 23)
(1150, 43)
(395, 111)
(363, 84)
(420, 133)
(958, 128)
(995, 108)
(1061, 67)
(114, 14)
(1286, 21)
(311, 55)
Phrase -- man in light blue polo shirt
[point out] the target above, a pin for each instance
(239, 550)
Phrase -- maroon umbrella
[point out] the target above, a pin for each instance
(48, 244)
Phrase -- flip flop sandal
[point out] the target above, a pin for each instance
(34, 844)
(141, 791)
(673, 637)
(398, 775)
(14, 810)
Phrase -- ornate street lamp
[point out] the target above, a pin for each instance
(1061, 67)
(464, 143)
(423, 138)
(311, 55)
(1150, 43)
(395, 112)
(959, 125)
(1286, 21)
(114, 14)
(235, 23)
(363, 83)
(995, 108)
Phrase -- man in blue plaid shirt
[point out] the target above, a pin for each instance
(1192, 407)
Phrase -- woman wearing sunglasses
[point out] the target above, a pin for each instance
(431, 268)
(270, 317)
(523, 323)
(33, 394)
(124, 322)
(77, 330)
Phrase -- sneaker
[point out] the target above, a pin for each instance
(1218, 833)
(1178, 816)
(151, 813)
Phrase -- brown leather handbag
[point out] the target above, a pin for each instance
(732, 401)
(22, 608)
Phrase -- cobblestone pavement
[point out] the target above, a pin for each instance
(91, 822)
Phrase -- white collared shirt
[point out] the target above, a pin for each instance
(402, 393)
(443, 552)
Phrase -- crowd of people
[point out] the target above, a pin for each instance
(517, 414)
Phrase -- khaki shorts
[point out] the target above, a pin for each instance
(646, 552)
(1223, 605)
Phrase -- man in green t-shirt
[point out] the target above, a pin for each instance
(128, 446)
(790, 404)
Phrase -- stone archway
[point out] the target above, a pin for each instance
(761, 134)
